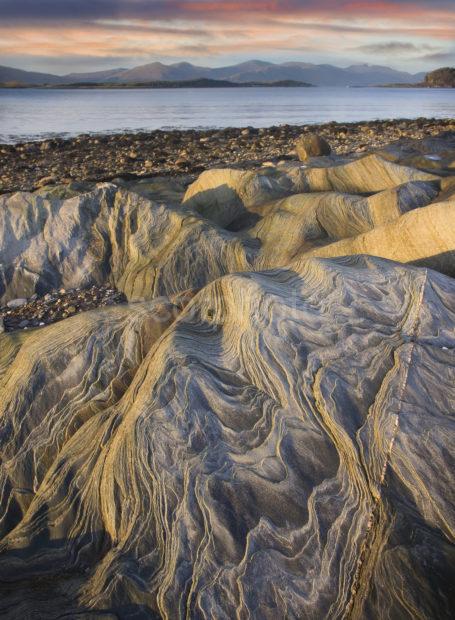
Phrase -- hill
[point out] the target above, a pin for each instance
(11, 76)
(441, 78)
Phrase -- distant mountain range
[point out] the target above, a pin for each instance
(252, 71)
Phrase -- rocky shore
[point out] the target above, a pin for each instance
(161, 165)
(263, 427)
(30, 165)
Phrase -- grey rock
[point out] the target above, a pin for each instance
(16, 303)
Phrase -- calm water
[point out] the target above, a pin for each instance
(35, 114)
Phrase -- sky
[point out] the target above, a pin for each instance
(60, 36)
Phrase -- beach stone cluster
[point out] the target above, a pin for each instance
(31, 165)
(38, 311)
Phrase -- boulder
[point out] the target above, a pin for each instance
(311, 145)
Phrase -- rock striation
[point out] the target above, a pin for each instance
(264, 429)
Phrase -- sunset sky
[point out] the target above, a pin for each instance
(77, 35)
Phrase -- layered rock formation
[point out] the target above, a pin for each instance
(267, 433)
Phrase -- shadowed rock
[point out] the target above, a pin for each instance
(225, 195)
(435, 153)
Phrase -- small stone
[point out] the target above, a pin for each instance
(2, 326)
(23, 324)
(311, 145)
(71, 309)
(62, 291)
(47, 297)
(46, 181)
(16, 303)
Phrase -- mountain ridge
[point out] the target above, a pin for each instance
(249, 71)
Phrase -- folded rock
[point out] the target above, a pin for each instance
(271, 436)
(280, 429)
(424, 236)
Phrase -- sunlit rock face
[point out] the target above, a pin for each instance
(268, 435)
(229, 221)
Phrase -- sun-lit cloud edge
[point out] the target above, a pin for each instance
(407, 34)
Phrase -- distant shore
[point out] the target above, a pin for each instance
(30, 165)
(418, 85)
(201, 83)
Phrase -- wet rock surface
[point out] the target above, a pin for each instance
(31, 165)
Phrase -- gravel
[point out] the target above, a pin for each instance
(40, 311)
(30, 165)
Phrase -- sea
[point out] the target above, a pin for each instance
(36, 114)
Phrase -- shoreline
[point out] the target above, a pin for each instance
(30, 165)
(160, 85)
(179, 85)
